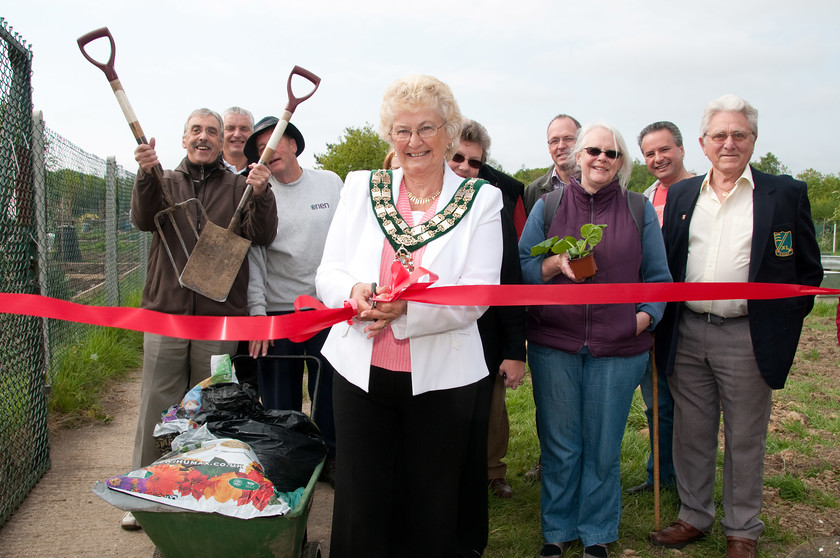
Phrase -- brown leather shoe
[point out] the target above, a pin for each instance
(534, 474)
(500, 488)
(676, 535)
(739, 547)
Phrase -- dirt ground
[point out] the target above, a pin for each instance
(817, 362)
(63, 518)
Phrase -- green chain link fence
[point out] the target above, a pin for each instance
(65, 233)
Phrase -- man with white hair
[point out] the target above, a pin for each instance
(238, 126)
(733, 224)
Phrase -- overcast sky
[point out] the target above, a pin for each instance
(511, 64)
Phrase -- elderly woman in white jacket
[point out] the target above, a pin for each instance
(407, 372)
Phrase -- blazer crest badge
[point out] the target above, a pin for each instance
(784, 246)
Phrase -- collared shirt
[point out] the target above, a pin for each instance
(659, 198)
(720, 238)
(232, 168)
(555, 180)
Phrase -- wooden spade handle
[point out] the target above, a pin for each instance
(111, 74)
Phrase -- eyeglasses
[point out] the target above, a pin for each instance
(425, 131)
(568, 140)
(738, 136)
(474, 163)
(595, 151)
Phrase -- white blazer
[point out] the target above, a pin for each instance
(446, 350)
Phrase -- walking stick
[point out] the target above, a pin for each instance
(655, 448)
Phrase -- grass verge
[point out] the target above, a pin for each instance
(83, 370)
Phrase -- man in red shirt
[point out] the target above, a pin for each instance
(662, 147)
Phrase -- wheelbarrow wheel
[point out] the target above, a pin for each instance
(312, 549)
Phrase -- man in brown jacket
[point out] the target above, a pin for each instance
(171, 366)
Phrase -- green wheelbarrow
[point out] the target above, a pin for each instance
(209, 535)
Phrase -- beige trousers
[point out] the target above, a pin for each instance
(171, 367)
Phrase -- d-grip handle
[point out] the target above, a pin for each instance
(279, 128)
(295, 101)
(107, 67)
(122, 98)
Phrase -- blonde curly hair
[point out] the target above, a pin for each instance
(418, 92)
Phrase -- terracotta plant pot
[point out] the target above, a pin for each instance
(584, 267)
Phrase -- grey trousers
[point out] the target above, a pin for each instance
(715, 370)
(171, 367)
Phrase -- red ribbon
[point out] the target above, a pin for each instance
(303, 324)
(401, 280)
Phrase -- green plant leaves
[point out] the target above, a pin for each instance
(590, 235)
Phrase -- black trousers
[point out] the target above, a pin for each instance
(402, 456)
(473, 512)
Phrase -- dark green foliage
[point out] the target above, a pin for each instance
(526, 176)
(770, 164)
(359, 149)
(640, 178)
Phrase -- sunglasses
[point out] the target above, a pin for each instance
(595, 151)
(474, 163)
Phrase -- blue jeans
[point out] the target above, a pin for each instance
(666, 425)
(582, 408)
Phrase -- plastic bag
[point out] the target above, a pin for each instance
(287, 444)
(228, 401)
(166, 432)
(191, 439)
(221, 372)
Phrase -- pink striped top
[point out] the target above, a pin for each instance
(389, 352)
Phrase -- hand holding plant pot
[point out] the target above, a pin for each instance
(579, 251)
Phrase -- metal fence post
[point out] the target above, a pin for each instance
(112, 280)
(39, 185)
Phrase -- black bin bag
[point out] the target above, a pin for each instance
(288, 444)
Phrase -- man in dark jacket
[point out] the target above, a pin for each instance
(171, 366)
(561, 136)
(502, 330)
(733, 224)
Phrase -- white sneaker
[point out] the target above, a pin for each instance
(129, 523)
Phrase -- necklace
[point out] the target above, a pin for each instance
(725, 193)
(421, 201)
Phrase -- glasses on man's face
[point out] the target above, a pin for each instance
(474, 163)
(595, 151)
(567, 140)
(738, 136)
(424, 131)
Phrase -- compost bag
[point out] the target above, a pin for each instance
(288, 444)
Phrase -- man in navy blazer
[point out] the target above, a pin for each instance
(733, 224)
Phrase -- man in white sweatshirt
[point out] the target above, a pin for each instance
(284, 270)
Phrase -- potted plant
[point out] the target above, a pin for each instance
(581, 259)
